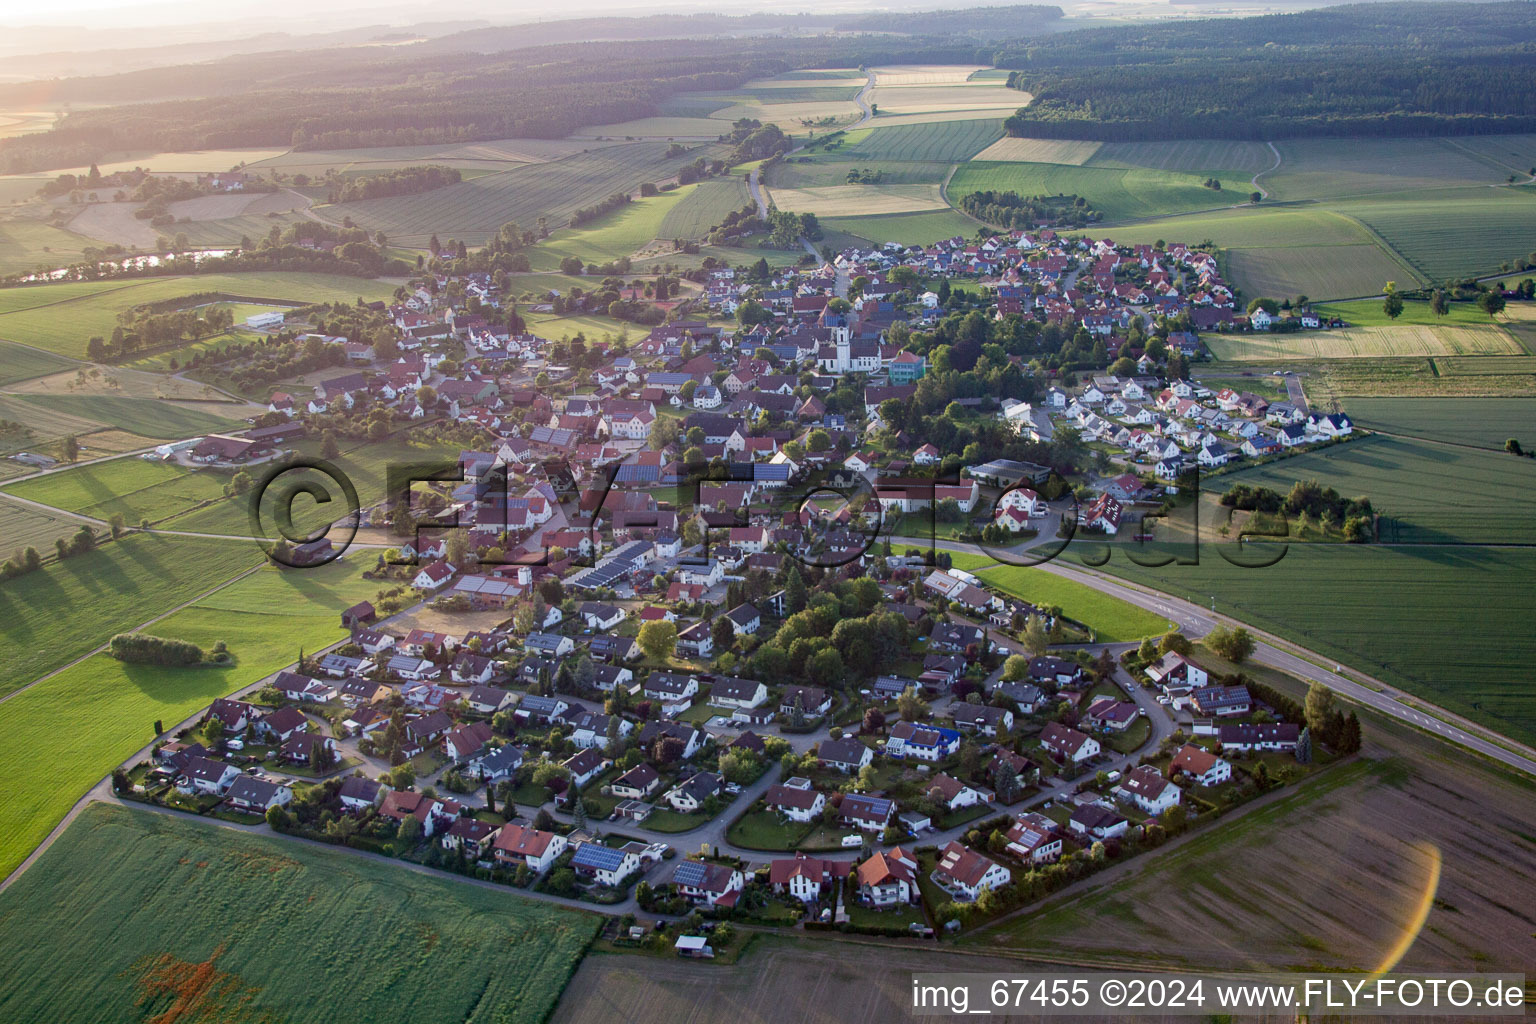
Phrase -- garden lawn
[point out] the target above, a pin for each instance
(93, 715)
(125, 896)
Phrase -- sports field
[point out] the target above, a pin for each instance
(1367, 342)
(128, 900)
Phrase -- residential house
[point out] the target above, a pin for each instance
(1067, 743)
(848, 754)
(964, 872)
(1146, 787)
(888, 879)
(1201, 765)
(1032, 838)
(806, 877)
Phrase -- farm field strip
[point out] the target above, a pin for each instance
(910, 228)
(123, 584)
(1480, 422)
(705, 206)
(1118, 193)
(1069, 152)
(1367, 343)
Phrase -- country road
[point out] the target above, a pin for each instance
(1278, 653)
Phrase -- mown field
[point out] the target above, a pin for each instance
(1426, 492)
(44, 426)
(1119, 193)
(859, 200)
(131, 486)
(938, 142)
(1111, 619)
(1368, 343)
(56, 614)
(472, 210)
(1480, 422)
(1444, 622)
(1446, 377)
(1237, 158)
(1327, 877)
(62, 317)
(95, 714)
(127, 899)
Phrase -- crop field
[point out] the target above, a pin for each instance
(132, 486)
(1322, 878)
(1389, 610)
(770, 108)
(1454, 233)
(99, 711)
(907, 227)
(1425, 492)
(473, 210)
(1369, 313)
(1111, 619)
(1321, 271)
(1192, 156)
(367, 467)
(1479, 422)
(1070, 152)
(619, 233)
(1118, 193)
(23, 526)
(179, 162)
(127, 898)
(885, 120)
(1368, 342)
(859, 200)
(825, 170)
(62, 317)
(925, 74)
(702, 207)
(937, 142)
(122, 584)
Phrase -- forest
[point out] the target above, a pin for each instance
(406, 181)
(1011, 210)
(1381, 69)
